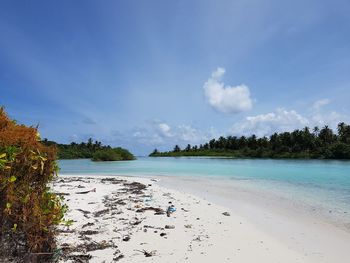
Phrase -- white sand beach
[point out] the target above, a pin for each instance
(124, 219)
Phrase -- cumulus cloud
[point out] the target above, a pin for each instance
(165, 129)
(227, 99)
(320, 117)
(265, 124)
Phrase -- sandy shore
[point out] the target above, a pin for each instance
(124, 219)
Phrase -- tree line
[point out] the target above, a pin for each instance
(93, 150)
(305, 143)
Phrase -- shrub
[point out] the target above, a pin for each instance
(109, 154)
(106, 155)
(126, 155)
(29, 211)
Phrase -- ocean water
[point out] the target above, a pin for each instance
(322, 186)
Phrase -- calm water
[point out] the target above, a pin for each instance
(322, 185)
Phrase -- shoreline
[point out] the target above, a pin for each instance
(289, 222)
(224, 190)
(284, 238)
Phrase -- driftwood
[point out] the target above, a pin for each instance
(157, 210)
(86, 192)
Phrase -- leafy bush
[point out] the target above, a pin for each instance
(126, 155)
(28, 209)
(106, 155)
(116, 154)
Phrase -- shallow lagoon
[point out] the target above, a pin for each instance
(322, 185)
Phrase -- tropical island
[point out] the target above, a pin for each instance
(300, 144)
(93, 150)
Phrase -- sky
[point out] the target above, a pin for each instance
(152, 74)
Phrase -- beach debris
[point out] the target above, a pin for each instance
(84, 211)
(188, 226)
(135, 187)
(81, 258)
(171, 209)
(62, 194)
(101, 212)
(88, 232)
(112, 180)
(126, 238)
(87, 224)
(120, 202)
(162, 234)
(198, 238)
(86, 192)
(147, 199)
(146, 253)
(66, 231)
(154, 227)
(135, 222)
(99, 245)
(185, 210)
(157, 210)
(118, 257)
(226, 213)
(169, 227)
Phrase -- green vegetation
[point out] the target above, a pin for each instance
(303, 144)
(116, 154)
(29, 211)
(92, 150)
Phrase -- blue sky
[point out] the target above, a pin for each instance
(146, 74)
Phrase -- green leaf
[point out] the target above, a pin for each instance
(14, 228)
(12, 179)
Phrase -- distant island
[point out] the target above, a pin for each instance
(299, 144)
(90, 150)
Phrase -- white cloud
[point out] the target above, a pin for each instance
(320, 103)
(227, 99)
(165, 129)
(265, 124)
(331, 119)
(188, 134)
(321, 117)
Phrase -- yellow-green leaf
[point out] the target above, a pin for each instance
(12, 179)
(8, 205)
(14, 228)
(2, 155)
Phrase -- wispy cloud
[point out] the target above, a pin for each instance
(226, 99)
(320, 103)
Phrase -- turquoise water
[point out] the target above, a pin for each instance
(322, 185)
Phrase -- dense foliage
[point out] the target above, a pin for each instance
(116, 154)
(28, 209)
(318, 144)
(91, 150)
